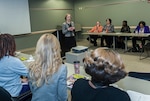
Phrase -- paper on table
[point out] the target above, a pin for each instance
(23, 58)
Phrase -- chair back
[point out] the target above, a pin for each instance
(4, 95)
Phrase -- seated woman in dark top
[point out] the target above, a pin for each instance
(105, 67)
(125, 29)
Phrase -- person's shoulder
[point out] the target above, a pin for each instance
(17, 60)
(128, 26)
(121, 94)
(64, 23)
(112, 25)
(80, 81)
(117, 90)
(63, 68)
(72, 22)
(100, 26)
(13, 61)
(146, 26)
(12, 58)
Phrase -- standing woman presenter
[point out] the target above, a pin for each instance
(68, 30)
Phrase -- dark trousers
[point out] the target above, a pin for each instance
(134, 40)
(69, 43)
(94, 37)
(119, 42)
(102, 41)
(108, 40)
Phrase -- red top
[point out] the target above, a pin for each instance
(97, 29)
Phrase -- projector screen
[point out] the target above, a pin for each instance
(14, 17)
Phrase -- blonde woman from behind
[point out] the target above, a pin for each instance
(47, 74)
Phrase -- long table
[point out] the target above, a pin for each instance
(128, 83)
(126, 35)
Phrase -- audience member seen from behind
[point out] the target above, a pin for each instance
(108, 28)
(105, 67)
(47, 74)
(11, 68)
(140, 29)
(125, 29)
(96, 29)
(68, 30)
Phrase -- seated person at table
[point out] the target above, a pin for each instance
(120, 40)
(141, 28)
(47, 74)
(11, 68)
(105, 67)
(108, 28)
(96, 29)
(125, 28)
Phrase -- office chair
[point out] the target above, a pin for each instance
(146, 47)
(4, 95)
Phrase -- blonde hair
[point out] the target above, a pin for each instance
(47, 59)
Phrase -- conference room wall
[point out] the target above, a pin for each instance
(87, 12)
(44, 15)
(47, 14)
(27, 42)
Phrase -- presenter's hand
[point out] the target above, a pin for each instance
(71, 28)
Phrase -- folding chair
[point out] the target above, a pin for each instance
(146, 48)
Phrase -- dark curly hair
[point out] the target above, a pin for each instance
(143, 23)
(7, 45)
(105, 66)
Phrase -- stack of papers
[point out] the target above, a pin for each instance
(79, 49)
